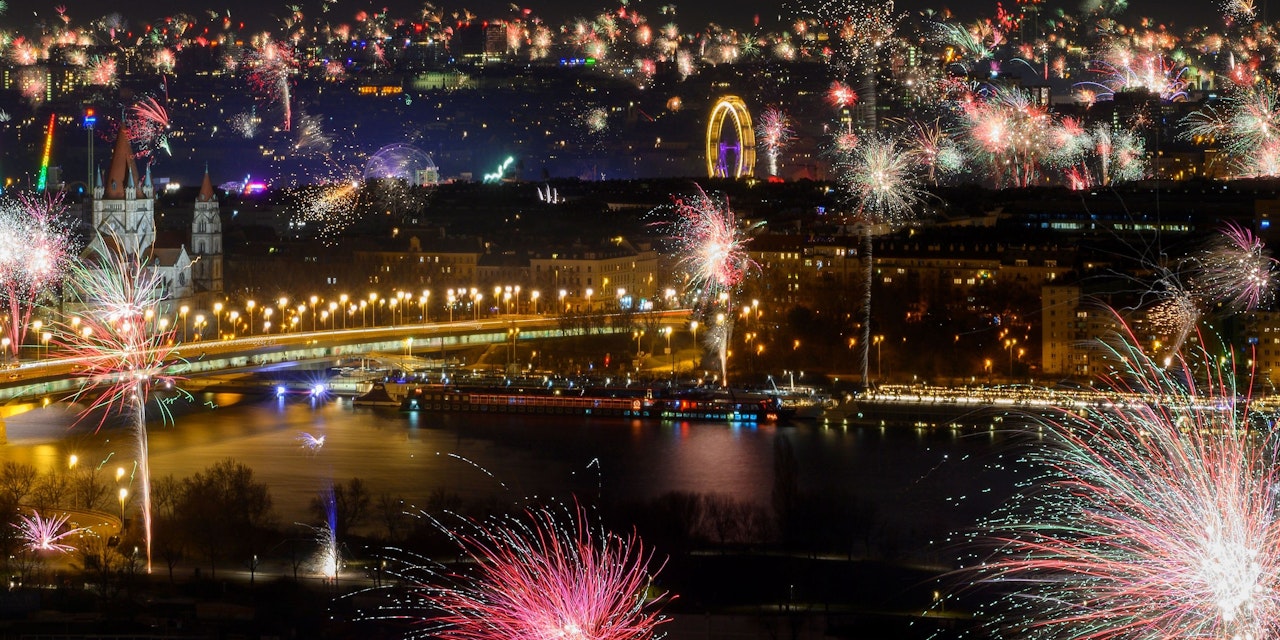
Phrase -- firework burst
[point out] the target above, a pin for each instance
(1158, 518)
(774, 133)
(536, 577)
(268, 68)
(46, 534)
(35, 249)
(121, 344)
(148, 126)
(1236, 271)
(1247, 124)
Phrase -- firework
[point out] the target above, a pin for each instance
(595, 120)
(1247, 124)
(102, 71)
(246, 124)
(35, 248)
(328, 209)
(774, 132)
(535, 577)
(1235, 271)
(122, 345)
(712, 250)
(148, 125)
(40, 534)
(840, 95)
(1158, 518)
(309, 442)
(328, 558)
(268, 68)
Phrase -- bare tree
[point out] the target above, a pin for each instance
(16, 481)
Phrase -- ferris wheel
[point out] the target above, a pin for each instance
(731, 141)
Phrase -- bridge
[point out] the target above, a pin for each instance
(36, 383)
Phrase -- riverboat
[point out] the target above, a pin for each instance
(646, 403)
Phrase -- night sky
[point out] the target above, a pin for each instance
(690, 14)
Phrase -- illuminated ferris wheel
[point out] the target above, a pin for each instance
(731, 141)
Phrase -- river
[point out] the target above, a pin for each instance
(924, 481)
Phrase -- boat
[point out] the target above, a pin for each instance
(378, 396)
(648, 403)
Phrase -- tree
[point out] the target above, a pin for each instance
(50, 491)
(88, 491)
(350, 506)
(16, 481)
(222, 510)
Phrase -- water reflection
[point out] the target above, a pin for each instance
(915, 477)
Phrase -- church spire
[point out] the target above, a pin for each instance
(206, 187)
(122, 171)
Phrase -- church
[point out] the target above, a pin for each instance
(124, 220)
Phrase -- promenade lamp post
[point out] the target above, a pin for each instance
(235, 319)
(342, 299)
(475, 306)
(373, 302)
(333, 313)
(266, 319)
(324, 316)
(590, 293)
(637, 335)
(563, 293)
(517, 298)
(124, 495)
(497, 298)
(36, 330)
(668, 330)
(392, 303)
(364, 306)
(314, 300)
(877, 340)
(1009, 343)
(217, 313)
(693, 328)
(425, 305)
(199, 325)
(533, 301)
(183, 311)
(164, 326)
(249, 306)
(506, 300)
(44, 339)
(282, 303)
(450, 300)
(302, 308)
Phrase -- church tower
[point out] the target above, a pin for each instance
(206, 240)
(124, 207)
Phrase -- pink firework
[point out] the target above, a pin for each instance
(1158, 518)
(537, 578)
(40, 534)
(710, 244)
(268, 69)
(774, 133)
(35, 246)
(1236, 270)
(148, 125)
(102, 71)
(840, 95)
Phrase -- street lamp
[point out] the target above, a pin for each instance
(199, 325)
(249, 305)
(475, 305)
(235, 318)
(217, 312)
(44, 339)
(343, 300)
(373, 302)
(266, 319)
(182, 311)
(124, 495)
(667, 330)
(877, 340)
(637, 335)
(314, 300)
(563, 293)
(533, 302)
(1008, 346)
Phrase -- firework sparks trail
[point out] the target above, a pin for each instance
(1158, 519)
(536, 577)
(328, 558)
(102, 71)
(1236, 271)
(45, 534)
(123, 346)
(879, 174)
(35, 249)
(330, 207)
(268, 69)
(774, 133)
(711, 246)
